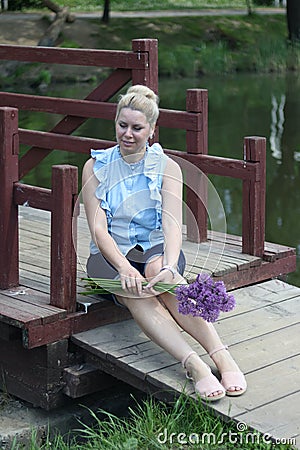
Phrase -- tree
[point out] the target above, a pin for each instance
(248, 3)
(293, 20)
(105, 16)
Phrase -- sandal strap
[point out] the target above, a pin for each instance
(218, 349)
(183, 362)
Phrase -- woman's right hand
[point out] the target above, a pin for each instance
(131, 280)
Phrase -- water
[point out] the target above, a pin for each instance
(242, 105)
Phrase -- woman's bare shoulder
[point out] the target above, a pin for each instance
(173, 169)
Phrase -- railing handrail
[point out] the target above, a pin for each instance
(120, 59)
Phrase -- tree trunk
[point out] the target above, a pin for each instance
(105, 17)
(62, 15)
(50, 37)
(293, 20)
(248, 3)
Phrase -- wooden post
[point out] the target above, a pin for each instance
(197, 143)
(63, 237)
(9, 240)
(148, 76)
(254, 192)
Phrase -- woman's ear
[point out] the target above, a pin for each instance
(152, 130)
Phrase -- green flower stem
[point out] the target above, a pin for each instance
(106, 286)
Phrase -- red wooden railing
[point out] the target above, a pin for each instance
(140, 66)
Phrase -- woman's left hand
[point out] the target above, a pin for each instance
(164, 276)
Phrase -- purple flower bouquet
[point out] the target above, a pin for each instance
(204, 297)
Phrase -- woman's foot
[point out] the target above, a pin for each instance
(232, 379)
(206, 384)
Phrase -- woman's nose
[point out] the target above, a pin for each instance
(128, 131)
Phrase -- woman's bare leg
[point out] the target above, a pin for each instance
(202, 331)
(159, 325)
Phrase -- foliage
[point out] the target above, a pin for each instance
(23, 4)
(208, 45)
(145, 5)
(263, 2)
(153, 425)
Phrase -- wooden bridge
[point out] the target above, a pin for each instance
(47, 326)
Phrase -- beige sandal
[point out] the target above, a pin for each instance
(206, 386)
(231, 379)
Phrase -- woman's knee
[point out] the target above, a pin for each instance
(138, 304)
(153, 267)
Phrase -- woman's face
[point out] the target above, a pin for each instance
(132, 131)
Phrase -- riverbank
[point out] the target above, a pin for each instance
(205, 45)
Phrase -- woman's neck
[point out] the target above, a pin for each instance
(134, 157)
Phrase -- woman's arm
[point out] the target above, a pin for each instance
(97, 222)
(172, 213)
(171, 224)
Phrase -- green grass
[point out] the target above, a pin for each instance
(153, 425)
(207, 45)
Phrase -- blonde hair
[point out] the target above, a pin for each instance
(140, 98)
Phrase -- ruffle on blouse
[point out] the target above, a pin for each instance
(154, 166)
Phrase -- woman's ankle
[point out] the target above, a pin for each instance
(224, 361)
(196, 368)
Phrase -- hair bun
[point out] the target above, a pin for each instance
(140, 89)
(140, 98)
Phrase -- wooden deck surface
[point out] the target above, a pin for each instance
(43, 323)
(262, 331)
(263, 335)
(220, 256)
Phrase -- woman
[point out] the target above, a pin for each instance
(133, 195)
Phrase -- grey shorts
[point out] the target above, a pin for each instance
(98, 266)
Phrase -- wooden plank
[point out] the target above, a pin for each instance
(217, 165)
(17, 313)
(31, 282)
(34, 215)
(225, 250)
(57, 105)
(74, 144)
(262, 351)
(32, 196)
(37, 299)
(219, 254)
(259, 322)
(20, 312)
(279, 419)
(37, 265)
(77, 322)
(266, 271)
(81, 57)
(111, 338)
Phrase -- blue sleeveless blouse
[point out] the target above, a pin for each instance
(130, 195)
